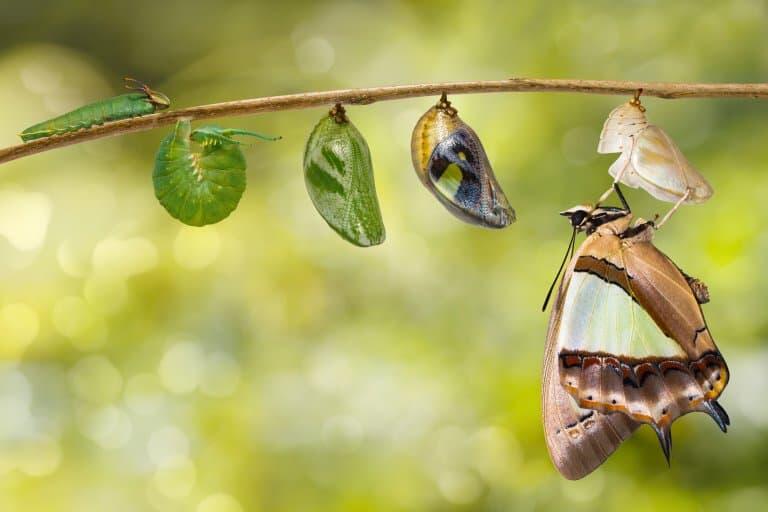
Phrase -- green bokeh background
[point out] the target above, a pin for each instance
(264, 363)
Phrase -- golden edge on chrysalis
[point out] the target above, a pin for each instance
(451, 162)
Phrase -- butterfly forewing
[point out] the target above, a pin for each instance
(579, 440)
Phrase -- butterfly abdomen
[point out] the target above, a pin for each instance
(120, 107)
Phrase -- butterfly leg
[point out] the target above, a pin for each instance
(674, 208)
(615, 184)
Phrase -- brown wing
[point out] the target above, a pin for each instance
(578, 440)
(653, 390)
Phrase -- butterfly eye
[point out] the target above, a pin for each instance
(578, 218)
(450, 161)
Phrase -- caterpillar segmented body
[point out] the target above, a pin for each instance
(141, 102)
(201, 185)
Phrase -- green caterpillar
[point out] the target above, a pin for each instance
(203, 186)
(139, 103)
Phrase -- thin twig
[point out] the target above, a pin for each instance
(374, 94)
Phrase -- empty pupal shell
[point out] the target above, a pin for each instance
(450, 160)
(649, 158)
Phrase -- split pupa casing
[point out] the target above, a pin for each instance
(649, 157)
(338, 173)
(451, 162)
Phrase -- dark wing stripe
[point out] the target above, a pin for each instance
(606, 271)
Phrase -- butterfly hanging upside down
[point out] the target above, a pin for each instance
(141, 102)
(627, 344)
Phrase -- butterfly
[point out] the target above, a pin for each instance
(627, 344)
(451, 162)
(649, 158)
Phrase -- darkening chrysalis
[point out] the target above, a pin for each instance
(451, 162)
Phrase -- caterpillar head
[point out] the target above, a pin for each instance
(158, 99)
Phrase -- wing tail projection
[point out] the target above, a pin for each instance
(627, 345)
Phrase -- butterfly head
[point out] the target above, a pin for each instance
(587, 218)
(158, 99)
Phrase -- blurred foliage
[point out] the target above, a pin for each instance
(266, 364)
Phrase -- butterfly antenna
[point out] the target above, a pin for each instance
(566, 257)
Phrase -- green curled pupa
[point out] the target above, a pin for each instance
(338, 173)
(201, 185)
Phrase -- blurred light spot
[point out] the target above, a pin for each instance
(495, 454)
(69, 261)
(166, 445)
(24, 218)
(39, 457)
(315, 55)
(124, 257)
(221, 375)
(747, 380)
(7, 462)
(96, 380)
(109, 427)
(15, 402)
(330, 371)
(600, 35)
(144, 394)
(459, 487)
(105, 293)
(40, 79)
(579, 145)
(344, 430)
(219, 503)
(746, 498)
(73, 318)
(181, 367)
(450, 446)
(196, 248)
(402, 123)
(586, 490)
(19, 326)
(176, 479)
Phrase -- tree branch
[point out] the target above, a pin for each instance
(374, 94)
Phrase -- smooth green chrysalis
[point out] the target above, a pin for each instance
(204, 185)
(339, 177)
